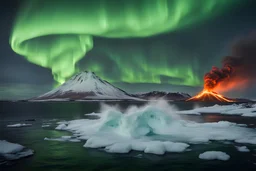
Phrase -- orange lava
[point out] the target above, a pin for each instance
(207, 95)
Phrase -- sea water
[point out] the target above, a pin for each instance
(62, 154)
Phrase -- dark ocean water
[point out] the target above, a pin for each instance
(54, 155)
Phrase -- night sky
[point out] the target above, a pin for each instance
(136, 45)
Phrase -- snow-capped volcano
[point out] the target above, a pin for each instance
(86, 85)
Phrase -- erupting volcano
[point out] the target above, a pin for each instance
(237, 73)
(210, 96)
(212, 80)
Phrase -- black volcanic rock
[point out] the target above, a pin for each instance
(155, 95)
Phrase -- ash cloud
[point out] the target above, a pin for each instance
(239, 69)
(244, 52)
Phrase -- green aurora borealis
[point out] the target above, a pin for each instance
(58, 34)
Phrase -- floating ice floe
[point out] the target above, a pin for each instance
(92, 114)
(214, 155)
(12, 151)
(246, 140)
(61, 125)
(52, 120)
(234, 109)
(45, 126)
(152, 129)
(19, 125)
(242, 149)
(64, 139)
(138, 156)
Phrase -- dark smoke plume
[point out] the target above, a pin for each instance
(239, 67)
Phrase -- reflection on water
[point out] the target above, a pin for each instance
(54, 155)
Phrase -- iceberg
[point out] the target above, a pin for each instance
(153, 128)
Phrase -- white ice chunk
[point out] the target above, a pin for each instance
(13, 151)
(45, 126)
(155, 147)
(7, 147)
(18, 125)
(92, 114)
(119, 148)
(63, 139)
(242, 149)
(66, 137)
(97, 142)
(247, 140)
(138, 156)
(214, 155)
(175, 147)
(234, 109)
(139, 145)
(61, 126)
(199, 140)
(74, 140)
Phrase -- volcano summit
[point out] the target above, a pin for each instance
(210, 96)
(86, 85)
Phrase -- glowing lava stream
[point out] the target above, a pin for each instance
(206, 94)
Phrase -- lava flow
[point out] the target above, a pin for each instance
(209, 96)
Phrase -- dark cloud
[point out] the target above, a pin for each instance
(238, 70)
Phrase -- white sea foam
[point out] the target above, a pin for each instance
(153, 128)
(214, 155)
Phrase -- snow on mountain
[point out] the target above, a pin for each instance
(86, 85)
